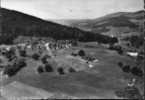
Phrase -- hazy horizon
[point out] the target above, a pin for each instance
(72, 9)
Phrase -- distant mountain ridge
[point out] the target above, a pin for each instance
(15, 24)
(127, 21)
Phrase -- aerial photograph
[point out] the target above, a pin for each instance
(72, 49)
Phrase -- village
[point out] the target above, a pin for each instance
(59, 58)
(51, 50)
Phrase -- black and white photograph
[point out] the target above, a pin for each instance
(72, 49)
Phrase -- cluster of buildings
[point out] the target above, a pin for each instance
(39, 45)
(51, 45)
(4, 48)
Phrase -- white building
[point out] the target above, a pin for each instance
(133, 54)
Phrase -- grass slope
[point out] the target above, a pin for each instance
(100, 81)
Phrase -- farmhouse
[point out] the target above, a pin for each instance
(133, 54)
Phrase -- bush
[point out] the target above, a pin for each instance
(10, 54)
(21, 63)
(23, 53)
(60, 71)
(35, 56)
(126, 68)
(81, 53)
(73, 54)
(9, 70)
(71, 70)
(137, 71)
(12, 70)
(44, 59)
(113, 40)
(120, 64)
(40, 69)
(48, 68)
(120, 51)
(116, 48)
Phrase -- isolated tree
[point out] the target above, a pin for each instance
(126, 68)
(21, 63)
(40, 69)
(44, 59)
(60, 71)
(48, 68)
(36, 56)
(120, 64)
(81, 53)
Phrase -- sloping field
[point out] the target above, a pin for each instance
(17, 90)
(101, 81)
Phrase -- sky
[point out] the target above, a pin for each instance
(72, 9)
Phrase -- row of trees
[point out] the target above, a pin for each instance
(118, 48)
(134, 70)
(135, 41)
(48, 68)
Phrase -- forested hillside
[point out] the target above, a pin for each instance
(19, 24)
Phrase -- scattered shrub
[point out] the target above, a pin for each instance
(120, 64)
(10, 54)
(120, 51)
(126, 68)
(40, 69)
(71, 70)
(12, 70)
(23, 53)
(113, 40)
(44, 59)
(117, 48)
(73, 54)
(35, 56)
(48, 68)
(137, 71)
(9, 70)
(90, 58)
(60, 71)
(81, 53)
